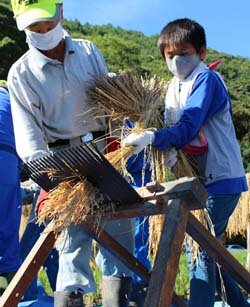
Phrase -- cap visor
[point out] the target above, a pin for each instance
(37, 15)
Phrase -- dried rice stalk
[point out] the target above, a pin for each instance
(124, 96)
(241, 217)
(70, 203)
(129, 96)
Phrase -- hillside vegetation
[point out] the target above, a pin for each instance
(132, 50)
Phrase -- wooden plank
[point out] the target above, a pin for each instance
(218, 252)
(135, 210)
(103, 238)
(161, 285)
(175, 252)
(29, 268)
(190, 188)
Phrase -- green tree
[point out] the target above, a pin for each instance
(12, 41)
(133, 50)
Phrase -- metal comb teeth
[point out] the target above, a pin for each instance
(84, 161)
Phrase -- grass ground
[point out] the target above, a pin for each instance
(181, 285)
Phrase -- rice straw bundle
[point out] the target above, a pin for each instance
(141, 100)
(70, 203)
(129, 95)
(241, 217)
(123, 96)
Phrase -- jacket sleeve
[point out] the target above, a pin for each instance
(208, 97)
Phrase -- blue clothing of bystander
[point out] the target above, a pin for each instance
(10, 200)
(29, 238)
(141, 174)
(136, 167)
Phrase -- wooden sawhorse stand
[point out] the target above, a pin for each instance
(174, 199)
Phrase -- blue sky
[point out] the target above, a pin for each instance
(226, 22)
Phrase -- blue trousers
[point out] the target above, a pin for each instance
(29, 238)
(204, 278)
(75, 252)
(10, 212)
(141, 244)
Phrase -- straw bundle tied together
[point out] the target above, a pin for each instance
(123, 96)
(141, 101)
(128, 95)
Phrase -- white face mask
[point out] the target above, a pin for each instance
(45, 41)
(182, 65)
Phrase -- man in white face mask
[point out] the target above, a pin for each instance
(42, 25)
(48, 98)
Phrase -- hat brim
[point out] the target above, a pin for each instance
(37, 15)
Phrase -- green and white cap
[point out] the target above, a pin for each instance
(3, 83)
(28, 12)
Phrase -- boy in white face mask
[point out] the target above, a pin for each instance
(48, 98)
(198, 113)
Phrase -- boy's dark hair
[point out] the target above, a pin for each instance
(182, 31)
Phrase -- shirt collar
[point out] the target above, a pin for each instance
(41, 60)
(69, 44)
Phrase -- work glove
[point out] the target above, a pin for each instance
(43, 195)
(171, 158)
(139, 140)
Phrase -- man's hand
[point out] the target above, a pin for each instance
(139, 141)
(171, 158)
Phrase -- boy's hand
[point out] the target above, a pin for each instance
(139, 141)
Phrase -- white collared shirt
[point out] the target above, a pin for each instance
(48, 98)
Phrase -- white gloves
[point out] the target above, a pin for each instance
(142, 140)
(139, 141)
(171, 157)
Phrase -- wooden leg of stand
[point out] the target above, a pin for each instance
(103, 238)
(161, 285)
(24, 276)
(41, 250)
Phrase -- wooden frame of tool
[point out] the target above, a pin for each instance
(175, 200)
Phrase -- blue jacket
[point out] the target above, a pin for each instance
(6, 124)
(209, 107)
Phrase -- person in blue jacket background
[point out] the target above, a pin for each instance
(35, 291)
(135, 166)
(10, 191)
(198, 117)
(140, 175)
